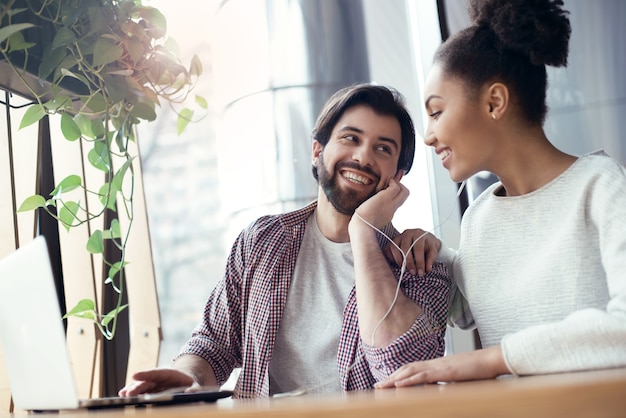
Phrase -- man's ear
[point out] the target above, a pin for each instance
(497, 97)
(399, 175)
(317, 149)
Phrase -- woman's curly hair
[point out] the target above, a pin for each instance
(510, 41)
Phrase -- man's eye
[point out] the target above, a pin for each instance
(384, 148)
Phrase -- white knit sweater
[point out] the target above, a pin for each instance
(545, 273)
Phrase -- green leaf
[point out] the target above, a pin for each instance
(201, 102)
(34, 114)
(110, 203)
(184, 117)
(70, 129)
(115, 268)
(144, 111)
(9, 30)
(119, 141)
(18, 43)
(118, 178)
(115, 229)
(97, 103)
(51, 61)
(32, 203)
(99, 156)
(67, 73)
(157, 25)
(117, 88)
(58, 102)
(106, 51)
(113, 232)
(63, 37)
(84, 124)
(67, 214)
(68, 184)
(172, 47)
(95, 245)
(135, 48)
(99, 18)
(85, 308)
(97, 128)
(112, 314)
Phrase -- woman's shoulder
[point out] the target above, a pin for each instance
(602, 162)
(600, 177)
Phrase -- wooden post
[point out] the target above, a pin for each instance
(145, 319)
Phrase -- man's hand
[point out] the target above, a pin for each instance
(157, 380)
(421, 248)
(379, 209)
(473, 365)
(190, 372)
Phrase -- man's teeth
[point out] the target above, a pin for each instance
(355, 178)
(444, 154)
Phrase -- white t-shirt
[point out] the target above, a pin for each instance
(305, 352)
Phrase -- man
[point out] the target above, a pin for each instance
(308, 301)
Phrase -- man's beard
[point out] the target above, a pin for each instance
(344, 201)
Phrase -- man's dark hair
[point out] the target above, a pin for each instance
(384, 101)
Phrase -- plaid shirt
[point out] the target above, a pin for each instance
(243, 312)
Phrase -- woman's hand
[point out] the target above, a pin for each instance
(473, 365)
(420, 256)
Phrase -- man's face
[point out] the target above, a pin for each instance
(359, 159)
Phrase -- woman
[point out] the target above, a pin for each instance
(542, 255)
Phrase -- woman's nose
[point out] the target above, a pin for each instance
(429, 137)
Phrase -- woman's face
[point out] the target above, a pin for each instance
(458, 126)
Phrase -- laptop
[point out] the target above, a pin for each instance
(33, 342)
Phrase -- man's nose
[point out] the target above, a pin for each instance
(363, 155)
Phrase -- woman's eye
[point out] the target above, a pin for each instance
(435, 115)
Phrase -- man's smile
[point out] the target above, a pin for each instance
(353, 177)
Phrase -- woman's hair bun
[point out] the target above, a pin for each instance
(538, 29)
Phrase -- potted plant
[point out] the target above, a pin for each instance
(103, 66)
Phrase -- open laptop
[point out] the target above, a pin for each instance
(32, 337)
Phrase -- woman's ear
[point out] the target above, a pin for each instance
(498, 100)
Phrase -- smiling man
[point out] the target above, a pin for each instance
(308, 301)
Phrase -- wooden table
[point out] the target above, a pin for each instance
(587, 394)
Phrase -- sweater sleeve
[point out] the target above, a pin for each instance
(459, 313)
